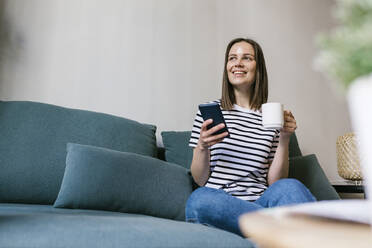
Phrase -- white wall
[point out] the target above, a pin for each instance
(155, 61)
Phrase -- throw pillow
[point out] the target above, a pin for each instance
(104, 179)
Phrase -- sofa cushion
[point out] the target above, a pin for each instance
(294, 148)
(177, 148)
(33, 145)
(103, 179)
(308, 171)
(44, 227)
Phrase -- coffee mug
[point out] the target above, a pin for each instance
(272, 115)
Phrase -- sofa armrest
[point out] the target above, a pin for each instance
(307, 170)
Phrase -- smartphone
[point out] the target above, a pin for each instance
(213, 111)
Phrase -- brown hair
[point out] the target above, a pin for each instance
(259, 88)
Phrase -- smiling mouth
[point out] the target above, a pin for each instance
(239, 73)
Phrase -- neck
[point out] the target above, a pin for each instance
(242, 98)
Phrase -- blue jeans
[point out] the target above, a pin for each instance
(215, 207)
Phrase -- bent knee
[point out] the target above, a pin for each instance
(199, 202)
(201, 195)
(289, 183)
(293, 188)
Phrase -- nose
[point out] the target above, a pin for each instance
(238, 62)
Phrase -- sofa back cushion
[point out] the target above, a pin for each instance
(33, 145)
(178, 151)
(308, 170)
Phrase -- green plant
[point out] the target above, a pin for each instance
(346, 51)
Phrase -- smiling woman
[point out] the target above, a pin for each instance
(248, 170)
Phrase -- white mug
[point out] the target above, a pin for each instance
(272, 115)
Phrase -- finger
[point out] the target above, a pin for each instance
(213, 138)
(288, 129)
(289, 118)
(290, 125)
(288, 113)
(215, 142)
(215, 129)
(205, 124)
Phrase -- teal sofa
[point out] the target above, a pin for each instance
(75, 178)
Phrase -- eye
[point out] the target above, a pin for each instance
(232, 58)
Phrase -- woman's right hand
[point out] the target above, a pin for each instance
(207, 139)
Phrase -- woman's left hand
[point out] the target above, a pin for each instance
(289, 126)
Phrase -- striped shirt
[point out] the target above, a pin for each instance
(239, 164)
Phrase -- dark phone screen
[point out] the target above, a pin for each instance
(213, 111)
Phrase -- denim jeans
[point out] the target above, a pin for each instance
(215, 207)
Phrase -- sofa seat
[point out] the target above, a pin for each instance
(29, 225)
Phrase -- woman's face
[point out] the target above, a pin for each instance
(241, 65)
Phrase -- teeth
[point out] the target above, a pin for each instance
(239, 72)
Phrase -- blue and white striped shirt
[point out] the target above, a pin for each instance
(239, 164)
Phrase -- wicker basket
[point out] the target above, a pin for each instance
(347, 158)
